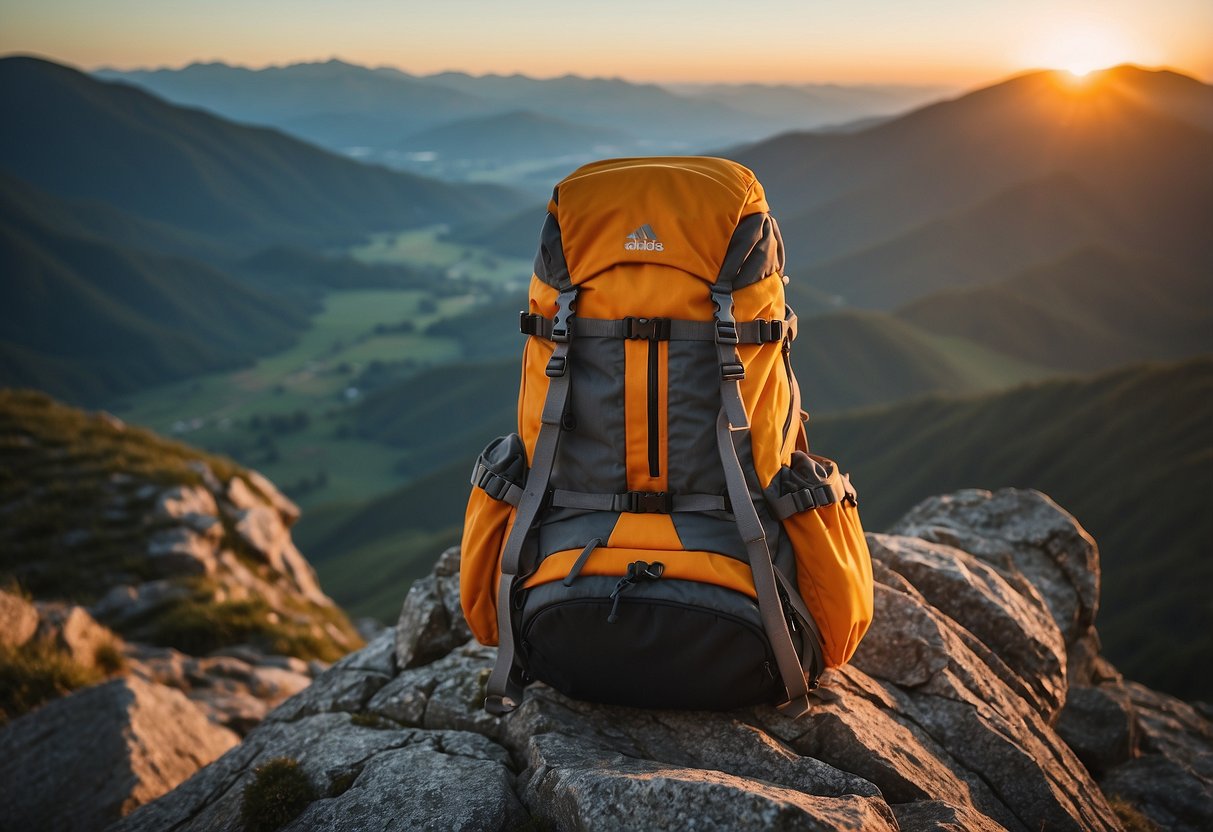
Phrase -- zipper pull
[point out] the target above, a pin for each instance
(637, 571)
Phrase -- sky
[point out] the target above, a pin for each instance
(953, 42)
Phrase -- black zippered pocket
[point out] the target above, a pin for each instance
(672, 644)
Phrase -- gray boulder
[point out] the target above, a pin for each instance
(83, 761)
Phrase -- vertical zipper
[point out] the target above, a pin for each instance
(654, 429)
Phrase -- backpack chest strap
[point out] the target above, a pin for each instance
(639, 502)
(659, 329)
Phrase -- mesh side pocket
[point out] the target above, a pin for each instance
(497, 481)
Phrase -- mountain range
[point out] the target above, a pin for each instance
(887, 214)
(80, 138)
(487, 125)
(127, 224)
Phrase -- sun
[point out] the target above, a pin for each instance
(1080, 47)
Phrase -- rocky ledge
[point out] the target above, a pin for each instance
(978, 701)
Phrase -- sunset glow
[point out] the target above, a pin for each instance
(1082, 47)
(948, 42)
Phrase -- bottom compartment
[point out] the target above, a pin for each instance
(672, 644)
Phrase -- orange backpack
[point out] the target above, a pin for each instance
(657, 533)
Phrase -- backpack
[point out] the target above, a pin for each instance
(656, 533)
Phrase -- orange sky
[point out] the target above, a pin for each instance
(936, 41)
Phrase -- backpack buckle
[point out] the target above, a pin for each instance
(772, 330)
(644, 502)
(526, 323)
(651, 329)
(558, 365)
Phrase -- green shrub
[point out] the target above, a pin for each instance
(1130, 816)
(35, 673)
(108, 659)
(278, 793)
(199, 627)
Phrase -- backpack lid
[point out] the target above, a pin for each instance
(678, 211)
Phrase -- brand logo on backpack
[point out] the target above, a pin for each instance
(643, 239)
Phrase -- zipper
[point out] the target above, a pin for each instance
(654, 429)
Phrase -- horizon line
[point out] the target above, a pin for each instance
(334, 58)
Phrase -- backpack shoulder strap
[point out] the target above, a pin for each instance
(504, 687)
(732, 425)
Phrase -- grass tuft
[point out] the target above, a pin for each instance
(277, 794)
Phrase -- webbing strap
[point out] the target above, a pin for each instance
(504, 688)
(659, 329)
(495, 485)
(814, 662)
(834, 490)
(770, 606)
(639, 502)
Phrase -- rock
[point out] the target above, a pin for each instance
(1017, 627)
(73, 631)
(1099, 726)
(18, 620)
(1170, 727)
(231, 691)
(262, 530)
(181, 551)
(575, 785)
(412, 787)
(284, 505)
(942, 721)
(82, 762)
(205, 474)
(431, 621)
(376, 777)
(125, 603)
(1027, 536)
(184, 502)
(941, 816)
(1164, 791)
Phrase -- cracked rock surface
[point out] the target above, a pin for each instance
(955, 714)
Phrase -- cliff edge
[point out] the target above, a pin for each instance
(977, 701)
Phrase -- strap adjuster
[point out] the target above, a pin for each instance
(558, 365)
(726, 332)
(652, 329)
(770, 331)
(818, 496)
(732, 371)
(644, 502)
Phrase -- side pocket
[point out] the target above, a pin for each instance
(497, 481)
(818, 509)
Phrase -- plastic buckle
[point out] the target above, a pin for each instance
(647, 502)
(732, 371)
(776, 330)
(652, 329)
(726, 332)
(558, 365)
(527, 323)
(560, 330)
